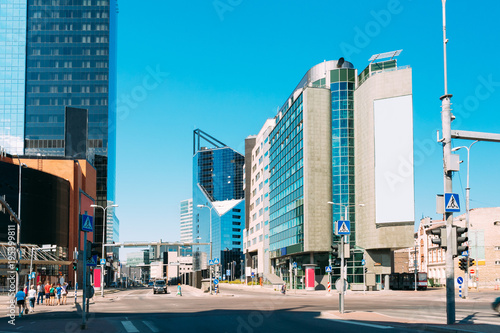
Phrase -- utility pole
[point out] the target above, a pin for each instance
(446, 123)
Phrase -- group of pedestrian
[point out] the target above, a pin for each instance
(54, 295)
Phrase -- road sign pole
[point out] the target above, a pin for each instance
(341, 295)
(447, 175)
(84, 270)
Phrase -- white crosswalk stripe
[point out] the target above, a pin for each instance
(129, 327)
(151, 326)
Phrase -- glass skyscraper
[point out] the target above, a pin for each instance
(218, 185)
(12, 74)
(56, 54)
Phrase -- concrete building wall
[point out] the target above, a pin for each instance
(317, 170)
(369, 235)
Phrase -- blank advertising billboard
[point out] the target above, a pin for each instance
(394, 176)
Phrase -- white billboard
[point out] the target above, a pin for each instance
(394, 176)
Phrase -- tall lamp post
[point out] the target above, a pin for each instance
(103, 241)
(467, 190)
(21, 165)
(210, 267)
(342, 255)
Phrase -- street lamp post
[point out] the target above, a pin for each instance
(467, 190)
(209, 267)
(103, 241)
(342, 255)
(21, 165)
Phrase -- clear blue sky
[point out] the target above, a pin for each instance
(231, 63)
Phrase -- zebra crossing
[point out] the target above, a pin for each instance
(139, 326)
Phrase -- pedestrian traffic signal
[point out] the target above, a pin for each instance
(441, 239)
(462, 264)
(335, 250)
(461, 239)
(17, 267)
(75, 265)
(91, 249)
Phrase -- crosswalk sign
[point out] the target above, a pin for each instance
(328, 269)
(87, 223)
(452, 202)
(343, 228)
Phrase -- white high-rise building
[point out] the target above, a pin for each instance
(187, 221)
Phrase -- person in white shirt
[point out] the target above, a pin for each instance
(32, 297)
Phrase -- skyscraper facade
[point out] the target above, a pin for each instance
(218, 203)
(55, 55)
(12, 74)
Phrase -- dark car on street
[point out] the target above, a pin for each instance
(160, 287)
(496, 305)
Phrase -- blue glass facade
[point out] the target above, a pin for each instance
(218, 184)
(220, 173)
(342, 91)
(286, 179)
(12, 74)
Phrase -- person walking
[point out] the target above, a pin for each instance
(31, 298)
(40, 292)
(53, 294)
(20, 297)
(64, 293)
(58, 293)
(283, 289)
(47, 293)
(179, 290)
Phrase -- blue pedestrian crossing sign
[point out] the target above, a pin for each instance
(451, 202)
(216, 261)
(328, 269)
(92, 261)
(343, 228)
(210, 262)
(87, 223)
(103, 262)
(33, 275)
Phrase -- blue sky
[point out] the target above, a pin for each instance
(225, 66)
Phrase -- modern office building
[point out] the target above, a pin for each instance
(57, 56)
(12, 74)
(256, 233)
(187, 221)
(318, 148)
(218, 202)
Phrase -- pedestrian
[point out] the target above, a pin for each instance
(20, 297)
(47, 293)
(283, 289)
(31, 298)
(52, 294)
(58, 293)
(41, 292)
(179, 291)
(64, 293)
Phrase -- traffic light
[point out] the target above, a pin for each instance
(461, 239)
(462, 264)
(441, 239)
(75, 265)
(17, 267)
(366, 270)
(91, 249)
(471, 262)
(335, 250)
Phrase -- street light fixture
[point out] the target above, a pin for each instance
(210, 267)
(467, 190)
(341, 250)
(103, 241)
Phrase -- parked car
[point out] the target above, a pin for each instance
(151, 283)
(159, 287)
(496, 304)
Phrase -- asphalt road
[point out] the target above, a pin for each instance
(247, 311)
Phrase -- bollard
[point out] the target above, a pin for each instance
(329, 287)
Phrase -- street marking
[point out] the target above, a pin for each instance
(129, 327)
(151, 326)
(359, 323)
